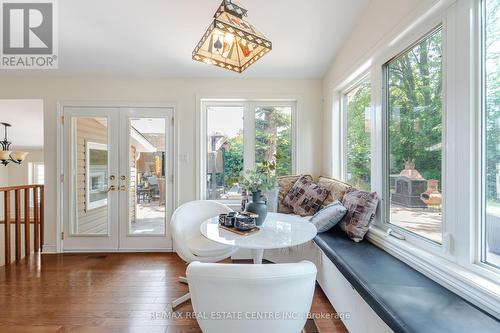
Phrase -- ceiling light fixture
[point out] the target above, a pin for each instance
(6, 155)
(231, 42)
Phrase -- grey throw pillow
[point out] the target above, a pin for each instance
(328, 217)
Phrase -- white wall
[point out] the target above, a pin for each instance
(4, 176)
(181, 91)
(379, 19)
(18, 174)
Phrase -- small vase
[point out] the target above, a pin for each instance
(257, 206)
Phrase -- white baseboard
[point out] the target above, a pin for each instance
(49, 249)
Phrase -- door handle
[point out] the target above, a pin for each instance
(123, 188)
(112, 188)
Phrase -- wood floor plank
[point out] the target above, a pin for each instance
(122, 292)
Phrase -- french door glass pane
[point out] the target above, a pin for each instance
(90, 165)
(273, 138)
(147, 176)
(415, 120)
(224, 152)
(491, 52)
(358, 147)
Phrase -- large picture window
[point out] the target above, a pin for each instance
(244, 135)
(414, 133)
(357, 111)
(491, 133)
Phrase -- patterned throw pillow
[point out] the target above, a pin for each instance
(285, 183)
(305, 198)
(361, 207)
(336, 187)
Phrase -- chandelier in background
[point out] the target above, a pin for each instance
(7, 155)
(231, 42)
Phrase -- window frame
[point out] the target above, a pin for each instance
(481, 234)
(249, 106)
(410, 236)
(365, 76)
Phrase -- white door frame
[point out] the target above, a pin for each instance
(61, 201)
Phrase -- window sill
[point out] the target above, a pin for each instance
(473, 287)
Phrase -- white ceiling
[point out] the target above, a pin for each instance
(26, 118)
(157, 37)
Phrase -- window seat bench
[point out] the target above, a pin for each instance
(406, 300)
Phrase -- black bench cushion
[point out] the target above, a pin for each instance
(406, 300)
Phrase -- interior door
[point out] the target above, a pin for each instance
(146, 178)
(90, 179)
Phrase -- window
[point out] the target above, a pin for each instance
(491, 133)
(273, 137)
(36, 173)
(225, 144)
(244, 135)
(415, 151)
(96, 188)
(36, 176)
(357, 111)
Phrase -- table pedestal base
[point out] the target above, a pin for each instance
(257, 255)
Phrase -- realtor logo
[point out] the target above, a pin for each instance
(28, 34)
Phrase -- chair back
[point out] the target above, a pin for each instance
(253, 298)
(186, 221)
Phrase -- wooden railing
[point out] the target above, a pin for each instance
(32, 194)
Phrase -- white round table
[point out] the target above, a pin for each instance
(278, 231)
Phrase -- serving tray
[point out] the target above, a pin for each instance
(240, 232)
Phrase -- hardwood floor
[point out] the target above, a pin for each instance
(120, 292)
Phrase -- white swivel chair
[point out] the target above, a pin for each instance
(249, 293)
(188, 241)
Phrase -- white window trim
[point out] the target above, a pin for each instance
(249, 106)
(100, 203)
(458, 268)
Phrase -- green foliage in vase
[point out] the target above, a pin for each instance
(257, 180)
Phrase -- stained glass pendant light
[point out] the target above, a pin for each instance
(231, 42)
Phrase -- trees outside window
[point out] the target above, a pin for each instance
(273, 138)
(228, 133)
(357, 110)
(491, 132)
(415, 149)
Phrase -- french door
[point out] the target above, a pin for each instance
(118, 178)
